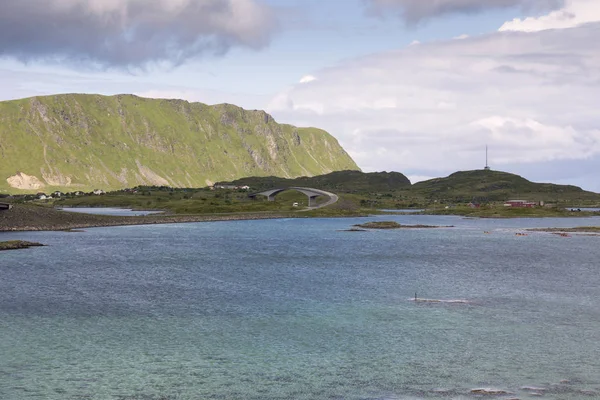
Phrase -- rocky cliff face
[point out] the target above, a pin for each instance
(81, 142)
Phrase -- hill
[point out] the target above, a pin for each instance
(486, 185)
(339, 181)
(81, 142)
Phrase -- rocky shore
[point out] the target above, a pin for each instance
(395, 225)
(18, 244)
(581, 229)
(35, 218)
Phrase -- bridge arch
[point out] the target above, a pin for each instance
(311, 193)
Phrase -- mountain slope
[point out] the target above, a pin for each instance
(81, 142)
(484, 185)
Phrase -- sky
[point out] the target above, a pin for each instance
(414, 86)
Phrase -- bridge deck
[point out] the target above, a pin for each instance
(311, 193)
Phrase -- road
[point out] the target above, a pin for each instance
(333, 198)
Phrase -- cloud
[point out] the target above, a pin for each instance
(432, 108)
(413, 11)
(130, 32)
(308, 79)
(574, 13)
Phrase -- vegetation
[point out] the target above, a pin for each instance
(339, 182)
(485, 186)
(359, 194)
(85, 142)
(380, 191)
(187, 201)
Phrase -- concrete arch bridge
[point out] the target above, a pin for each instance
(311, 193)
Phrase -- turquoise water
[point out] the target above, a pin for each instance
(298, 309)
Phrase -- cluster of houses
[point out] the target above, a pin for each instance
(513, 204)
(99, 192)
(230, 187)
(58, 194)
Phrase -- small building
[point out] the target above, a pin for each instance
(474, 205)
(244, 187)
(57, 194)
(520, 204)
(41, 196)
(228, 187)
(98, 192)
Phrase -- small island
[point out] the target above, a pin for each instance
(18, 244)
(395, 225)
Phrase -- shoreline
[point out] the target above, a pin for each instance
(580, 229)
(39, 219)
(28, 218)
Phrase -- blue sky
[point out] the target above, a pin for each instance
(404, 85)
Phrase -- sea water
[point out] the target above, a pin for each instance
(301, 309)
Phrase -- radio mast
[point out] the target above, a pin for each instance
(487, 167)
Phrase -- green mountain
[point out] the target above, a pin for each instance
(339, 181)
(486, 185)
(82, 142)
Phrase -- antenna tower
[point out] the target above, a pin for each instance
(487, 167)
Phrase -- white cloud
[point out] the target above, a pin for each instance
(532, 97)
(574, 13)
(308, 79)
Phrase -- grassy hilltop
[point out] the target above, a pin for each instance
(81, 142)
(340, 181)
(496, 186)
(393, 189)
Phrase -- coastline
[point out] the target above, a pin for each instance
(34, 219)
(580, 229)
